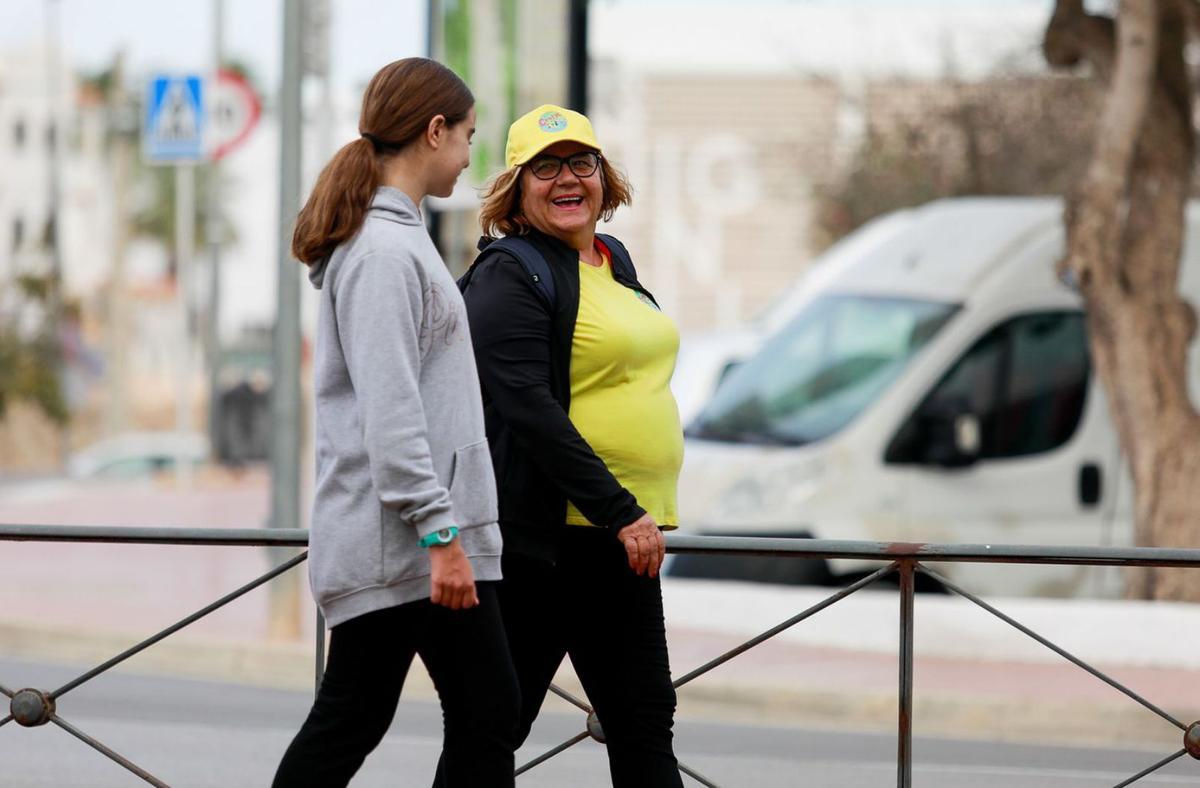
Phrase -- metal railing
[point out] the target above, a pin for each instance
(33, 707)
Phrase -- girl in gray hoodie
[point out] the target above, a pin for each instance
(404, 548)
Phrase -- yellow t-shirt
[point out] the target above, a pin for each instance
(622, 357)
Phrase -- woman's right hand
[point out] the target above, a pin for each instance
(452, 583)
(644, 544)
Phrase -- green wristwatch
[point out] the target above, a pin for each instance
(444, 536)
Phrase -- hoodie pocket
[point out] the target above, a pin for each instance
(473, 486)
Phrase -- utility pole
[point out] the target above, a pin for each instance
(212, 225)
(53, 216)
(285, 388)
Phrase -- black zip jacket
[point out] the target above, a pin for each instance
(523, 352)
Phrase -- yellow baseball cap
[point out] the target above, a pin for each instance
(537, 130)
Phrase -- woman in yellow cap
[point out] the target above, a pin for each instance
(575, 358)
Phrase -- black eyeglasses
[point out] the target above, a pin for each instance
(547, 167)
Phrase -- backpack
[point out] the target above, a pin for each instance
(538, 269)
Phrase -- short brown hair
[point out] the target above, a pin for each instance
(399, 103)
(501, 214)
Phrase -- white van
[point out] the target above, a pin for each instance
(935, 387)
(705, 359)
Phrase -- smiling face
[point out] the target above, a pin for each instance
(453, 155)
(567, 206)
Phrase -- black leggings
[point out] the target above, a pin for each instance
(593, 607)
(369, 657)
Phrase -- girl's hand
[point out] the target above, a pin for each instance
(452, 583)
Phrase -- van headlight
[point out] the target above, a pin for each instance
(781, 488)
(800, 481)
(746, 496)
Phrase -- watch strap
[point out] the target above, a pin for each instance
(444, 536)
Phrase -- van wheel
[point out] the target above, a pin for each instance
(779, 570)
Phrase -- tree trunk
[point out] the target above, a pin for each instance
(1125, 226)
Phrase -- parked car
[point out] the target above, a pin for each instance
(137, 454)
(934, 387)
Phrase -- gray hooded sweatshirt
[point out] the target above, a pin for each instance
(400, 443)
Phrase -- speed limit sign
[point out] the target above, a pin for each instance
(234, 109)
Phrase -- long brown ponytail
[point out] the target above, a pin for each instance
(399, 103)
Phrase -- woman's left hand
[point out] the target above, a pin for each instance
(452, 582)
(644, 544)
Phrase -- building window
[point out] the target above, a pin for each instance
(19, 134)
(18, 233)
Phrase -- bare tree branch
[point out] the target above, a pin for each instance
(1074, 36)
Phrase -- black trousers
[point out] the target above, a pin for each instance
(593, 607)
(369, 658)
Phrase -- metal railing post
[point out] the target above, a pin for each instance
(904, 726)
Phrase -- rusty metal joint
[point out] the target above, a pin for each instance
(593, 727)
(31, 708)
(1191, 740)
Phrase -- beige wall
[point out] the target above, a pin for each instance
(726, 167)
(723, 168)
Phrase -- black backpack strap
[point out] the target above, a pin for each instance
(622, 264)
(532, 262)
(620, 255)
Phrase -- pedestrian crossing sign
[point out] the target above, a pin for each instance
(173, 123)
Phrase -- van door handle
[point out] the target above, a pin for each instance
(1090, 484)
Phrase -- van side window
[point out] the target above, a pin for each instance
(1025, 380)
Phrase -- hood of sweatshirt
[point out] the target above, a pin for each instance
(389, 204)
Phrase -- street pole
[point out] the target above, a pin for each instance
(185, 242)
(435, 50)
(577, 56)
(317, 63)
(212, 223)
(433, 29)
(122, 126)
(285, 389)
(433, 47)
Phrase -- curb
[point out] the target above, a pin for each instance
(941, 715)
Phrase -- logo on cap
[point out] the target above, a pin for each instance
(552, 122)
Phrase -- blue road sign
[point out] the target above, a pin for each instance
(173, 124)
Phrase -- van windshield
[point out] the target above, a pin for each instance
(818, 372)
